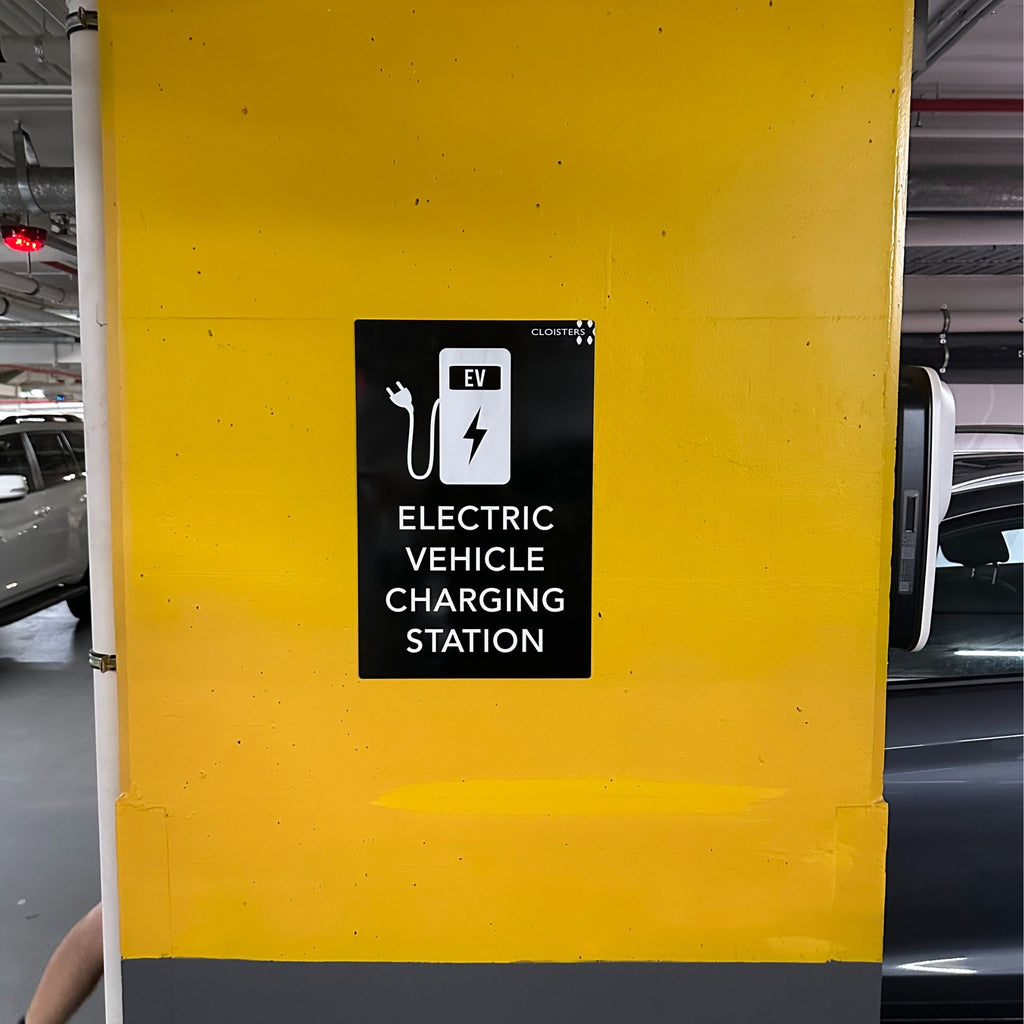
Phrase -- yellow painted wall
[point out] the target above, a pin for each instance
(718, 187)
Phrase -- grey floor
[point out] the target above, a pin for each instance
(49, 861)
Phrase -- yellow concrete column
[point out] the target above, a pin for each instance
(698, 823)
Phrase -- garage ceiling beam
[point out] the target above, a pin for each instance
(38, 49)
(42, 353)
(982, 189)
(948, 28)
(35, 98)
(965, 229)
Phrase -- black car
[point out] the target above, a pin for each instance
(953, 770)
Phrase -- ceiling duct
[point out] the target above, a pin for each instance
(29, 316)
(51, 189)
(31, 288)
(967, 321)
(930, 189)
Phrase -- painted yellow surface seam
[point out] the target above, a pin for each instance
(574, 796)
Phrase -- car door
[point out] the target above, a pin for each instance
(22, 546)
(953, 875)
(79, 540)
(953, 782)
(62, 505)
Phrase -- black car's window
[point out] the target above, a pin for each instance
(982, 554)
(13, 458)
(56, 463)
(977, 620)
(982, 464)
(76, 441)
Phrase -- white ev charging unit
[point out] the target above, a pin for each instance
(925, 434)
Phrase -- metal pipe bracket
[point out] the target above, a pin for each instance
(102, 662)
(81, 19)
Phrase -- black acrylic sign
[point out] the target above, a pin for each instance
(475, 449)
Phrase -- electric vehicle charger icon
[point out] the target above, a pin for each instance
(474, 406)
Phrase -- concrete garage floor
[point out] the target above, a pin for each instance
(49, 858)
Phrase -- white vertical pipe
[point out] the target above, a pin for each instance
(85, 108)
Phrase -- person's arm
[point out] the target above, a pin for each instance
(71, 974)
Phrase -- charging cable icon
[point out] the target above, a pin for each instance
(402, 397)
(474, 407)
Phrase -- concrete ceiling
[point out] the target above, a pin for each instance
(986, 61)
(38, 94)
(969, 262)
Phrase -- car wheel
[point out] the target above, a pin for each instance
(80, 607)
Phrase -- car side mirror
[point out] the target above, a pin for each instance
(13, 487)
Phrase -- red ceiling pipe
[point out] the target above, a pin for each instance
(968, 105)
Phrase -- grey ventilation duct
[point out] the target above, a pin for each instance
(18, 313)
(50, 189)
(21, 284)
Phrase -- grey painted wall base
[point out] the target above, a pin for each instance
(176, 991)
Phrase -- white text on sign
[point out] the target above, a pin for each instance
(496, 559)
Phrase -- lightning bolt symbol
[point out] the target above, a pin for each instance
(475, 434)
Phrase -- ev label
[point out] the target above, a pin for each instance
(475, 482)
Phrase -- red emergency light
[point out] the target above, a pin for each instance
(23, 237)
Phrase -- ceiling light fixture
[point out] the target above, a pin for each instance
(23, 237)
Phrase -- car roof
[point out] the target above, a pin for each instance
(982, 496)
(19, 424)
(986, 479)
(969, 466)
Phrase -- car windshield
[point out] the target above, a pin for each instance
(977, 618)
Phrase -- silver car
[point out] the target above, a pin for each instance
(44, 547)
